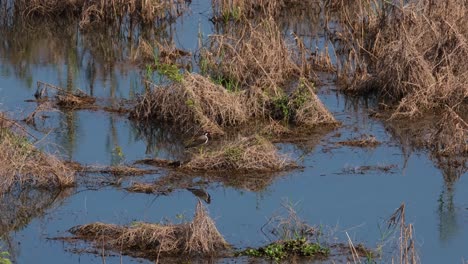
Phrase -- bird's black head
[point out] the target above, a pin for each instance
(207, 133)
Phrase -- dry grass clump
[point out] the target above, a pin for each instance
(164, 52)
(308, 110)
(451, 136)
(199, 237)
(31, 8)
(93, 12)
(252, 154)
(253, 73)
(235, 9)
(139, 187)
(75, 100)
(412, 54)
(63, 98)
(147, 11)
(275, 129)
(252, 57)
(23, 164)
(301, 108)
(195, 100)
(257, 60)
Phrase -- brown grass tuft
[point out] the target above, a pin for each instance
(24, 164)
(252, 154)
(413, 54)
(226, 10)
(94, 12)
(308, 110)
(251, 56)
(451, 136)
(253, 74)
(139, 187)
(164, 52)
(75, 101)
(199, 237)
(195, 100)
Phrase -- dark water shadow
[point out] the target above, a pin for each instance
(22, 205)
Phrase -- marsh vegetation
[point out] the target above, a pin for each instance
(259, 78)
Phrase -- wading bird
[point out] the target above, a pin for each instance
(201, 193)
(201, 140)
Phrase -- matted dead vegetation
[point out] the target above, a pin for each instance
(226, 10)
(197, 102)
(50, 97)
(24, 164)
(65, 99)
(162, 53)
(251, 56)
(252, 154)
(274, 74)
(194, 101)
(154, 241)
(253, 73)
(413, 54)
(139, 187)
(451, 135)
(369, 168)
(363, 141)
(119, 170)
(307, 109)
(93, 12)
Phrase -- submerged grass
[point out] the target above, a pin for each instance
(24, 164)
(197, 238)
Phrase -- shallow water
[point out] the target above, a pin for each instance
(327, 191)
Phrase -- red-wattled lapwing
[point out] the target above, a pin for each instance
(201, 193)
(201, 140)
